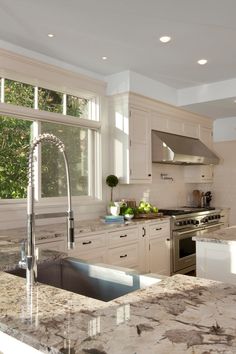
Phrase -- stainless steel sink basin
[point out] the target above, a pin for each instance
(96, 281)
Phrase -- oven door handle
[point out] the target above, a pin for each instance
(179, 233)
(198, 229)
(215, 225)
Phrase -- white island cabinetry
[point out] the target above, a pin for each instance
(216, 255)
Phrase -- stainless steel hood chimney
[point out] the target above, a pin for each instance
(177, 149)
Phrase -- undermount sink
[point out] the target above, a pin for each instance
(96, 281)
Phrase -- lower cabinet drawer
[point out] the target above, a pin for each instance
(124, 256)
(89, 242)
(116, 238)
(159, 229)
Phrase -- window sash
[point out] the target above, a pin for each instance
(37, 117)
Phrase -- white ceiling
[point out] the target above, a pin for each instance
(127, 32)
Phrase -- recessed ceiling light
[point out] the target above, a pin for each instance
(104, 58)
(202, 61)
(165, 39)
(50, 35)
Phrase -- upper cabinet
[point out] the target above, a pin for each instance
(131, 118)
(131, 140)
(206, 135)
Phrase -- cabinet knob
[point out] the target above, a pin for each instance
(149, 175)
(203, 176)
(167, 239)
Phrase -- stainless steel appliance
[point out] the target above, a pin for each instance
(185, 224)
(181, 150)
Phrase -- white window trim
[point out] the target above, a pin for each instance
(42, 116)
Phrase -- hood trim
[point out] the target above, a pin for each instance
(170, 148)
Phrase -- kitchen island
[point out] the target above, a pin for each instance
(216, 255)
(180, 314)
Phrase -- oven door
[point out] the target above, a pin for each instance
(184, 249)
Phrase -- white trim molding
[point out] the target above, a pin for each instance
(21, 68)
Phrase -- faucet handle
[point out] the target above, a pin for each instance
(70, 231)
(22, 262)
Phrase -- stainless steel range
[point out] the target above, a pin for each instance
(185, 224)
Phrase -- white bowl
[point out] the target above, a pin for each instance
(128, 216)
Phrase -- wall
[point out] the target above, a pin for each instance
(224, 186)
(161, 193)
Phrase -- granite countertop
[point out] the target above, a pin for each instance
(226, 236)
(53, 231)
(179, 315)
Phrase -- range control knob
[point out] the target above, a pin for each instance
(195, 222)
(178, 223)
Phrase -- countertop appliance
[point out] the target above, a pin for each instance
(186, 223)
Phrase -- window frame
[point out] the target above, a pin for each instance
(37, 116)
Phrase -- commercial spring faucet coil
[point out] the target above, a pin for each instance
(29, 261)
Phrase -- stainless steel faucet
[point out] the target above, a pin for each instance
(29, 261)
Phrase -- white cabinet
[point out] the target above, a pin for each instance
(140, 150)
(191, 129)
(216, 261)
(159, 248)
(90, 247)
(123, 247)
(205, 134)
(131, 140)
(198, 174)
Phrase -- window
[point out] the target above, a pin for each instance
(14, 142)
(78, 136)
(76, 140)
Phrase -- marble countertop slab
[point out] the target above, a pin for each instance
(179, 315)
(58, 231)
(226, 236)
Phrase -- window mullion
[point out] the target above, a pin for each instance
(2, 90)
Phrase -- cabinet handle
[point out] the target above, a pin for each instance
(87, 243)
(123, 236)
(158, 228)
(144, 232)
(124, 256)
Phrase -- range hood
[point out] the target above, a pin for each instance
(182, 150)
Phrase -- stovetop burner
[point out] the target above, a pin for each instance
(183, 210)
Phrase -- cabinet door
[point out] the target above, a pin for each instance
(191, 129)
(206, 136)
(140, 146)
(159, 255)
(198, 174)
(159, 247)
